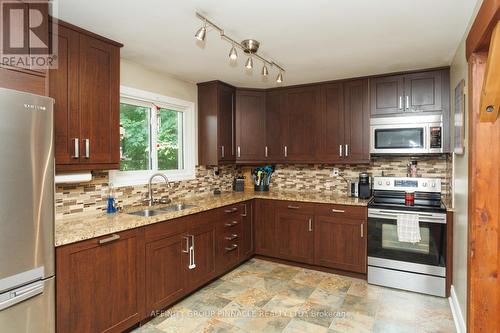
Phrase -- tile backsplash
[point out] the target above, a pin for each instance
(91, 198)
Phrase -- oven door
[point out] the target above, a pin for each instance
(383, 238)
(399, 139)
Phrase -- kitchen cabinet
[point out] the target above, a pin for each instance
(216, 122)
(294, 232)
(247, 239)
(304, 123)
(406, 94)
(276, 126)
(340, 238)
(250, 125)
(100, 283)
(265, 227)
(85, 87)
(229, 240)
(345, 122)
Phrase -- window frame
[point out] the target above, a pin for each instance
(146, 98)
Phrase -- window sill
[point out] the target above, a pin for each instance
(133, 178)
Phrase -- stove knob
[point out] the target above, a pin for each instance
(433, 185)
(380, 182)
(387, 183)
(424, 184)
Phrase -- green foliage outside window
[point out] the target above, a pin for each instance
(169, 140)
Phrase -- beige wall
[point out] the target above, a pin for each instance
(459, 71)
(137, 76)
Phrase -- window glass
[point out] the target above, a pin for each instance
(169, 139)
(135, 137)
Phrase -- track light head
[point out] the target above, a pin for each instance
(201, 33)
(264, 72)
(233, 55)
(249, 63)
(279, 78)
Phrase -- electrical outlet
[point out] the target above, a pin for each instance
(335, 172)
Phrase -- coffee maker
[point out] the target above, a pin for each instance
(364, 186)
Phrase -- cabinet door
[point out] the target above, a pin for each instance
(356, 122)
(295, 238)
(304, 123)
(250, 125)
(100, 283)
(202, 238)
(166, 271)
(225, 131)
(63, 87)
(387, 95)
(423, 91)
(340, 243)
(247, 236)
(276, 126)
(265, 227)
(332, 143)
(99, 102)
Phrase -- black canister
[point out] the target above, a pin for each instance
(364, 187)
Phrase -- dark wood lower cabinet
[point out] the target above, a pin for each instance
(100, 283)
(247, 237)
(202, 238)
(265, 227)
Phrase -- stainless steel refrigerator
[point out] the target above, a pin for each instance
(27, 301)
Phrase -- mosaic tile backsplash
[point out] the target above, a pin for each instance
(91, 198)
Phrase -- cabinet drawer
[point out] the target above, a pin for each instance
(297, 207)
(346, 211)
(232, 211)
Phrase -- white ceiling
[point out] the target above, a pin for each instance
(314, 40)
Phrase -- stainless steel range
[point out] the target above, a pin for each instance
(416, 266)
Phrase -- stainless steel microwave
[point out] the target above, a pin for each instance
(407, 135)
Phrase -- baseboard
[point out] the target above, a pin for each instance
(457, 312)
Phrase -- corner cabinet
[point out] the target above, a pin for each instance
(100, 283)
(216, 123)
(86, 89)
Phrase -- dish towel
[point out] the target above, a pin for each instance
(408, 228)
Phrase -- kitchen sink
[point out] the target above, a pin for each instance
(159, 211)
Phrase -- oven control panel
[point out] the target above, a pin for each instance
(407, 184)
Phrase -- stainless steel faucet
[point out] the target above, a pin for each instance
(151, 201)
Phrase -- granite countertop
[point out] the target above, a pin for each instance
(77, 228)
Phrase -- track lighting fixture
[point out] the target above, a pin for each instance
(249, 63)
(249, 46)
(279, 78)
(264, 72)
(233, 55)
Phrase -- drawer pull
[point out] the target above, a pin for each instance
(231, 210)
(310, 225)
(109, 239)
(293, 207)
(232, 237)
(231, 248)
(231, 224)
(362, 230)
(338, 211)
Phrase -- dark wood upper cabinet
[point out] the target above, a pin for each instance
(250, 125)
(100, 283)
(356, 122)
(387, 95)
(333, 130)
(216, 122)
(276, 119)
(409, 93)
(304, 122)
(86, 89)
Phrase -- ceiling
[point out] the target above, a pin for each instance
(314, 40)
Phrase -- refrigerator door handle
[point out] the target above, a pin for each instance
(22, 294)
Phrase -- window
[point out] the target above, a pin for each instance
(156, 135)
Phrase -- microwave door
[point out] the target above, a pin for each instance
(398, 139)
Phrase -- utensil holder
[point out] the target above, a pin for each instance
(261, 188)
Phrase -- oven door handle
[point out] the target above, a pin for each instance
(421, 218)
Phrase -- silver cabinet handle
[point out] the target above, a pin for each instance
(400, 102)
(231, 210)
(22, 294)
(266, 151)
(222, 152)
(286, 151)
(346, 150)
(187, 245)
(231, 248)
(407, 102)
(239, 151)
(362, 229)
(192, 264)
(293, 207)
(310, 225)
(340, 150)
(87, 148)
(338, 211)
(76, 141)
(231, 224)
(113, 238)
(232, 237)
(245, 213)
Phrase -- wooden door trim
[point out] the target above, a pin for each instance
(479, 36)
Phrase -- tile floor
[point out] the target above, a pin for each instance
(262, 296)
